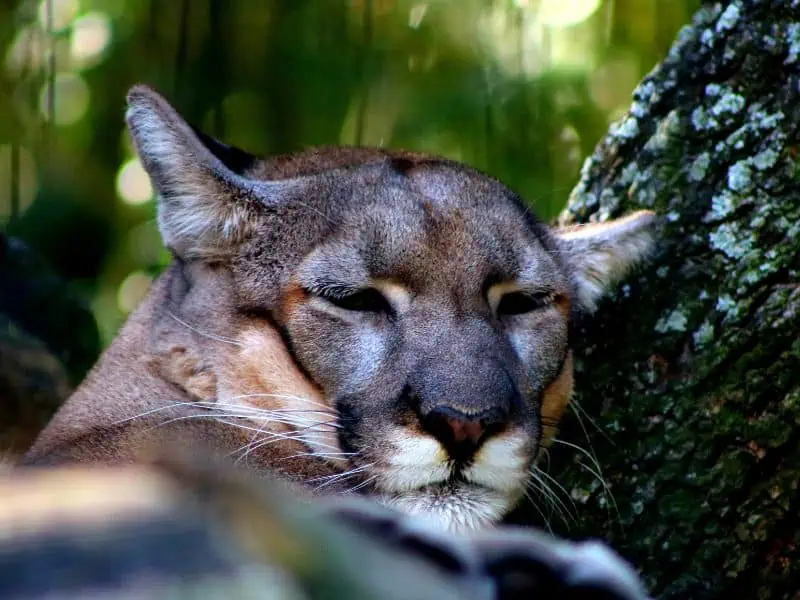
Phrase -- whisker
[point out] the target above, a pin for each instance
(352, 471)
(563, 510)
(581, 450)
(576, 409)
(341, 455)
(558, 485)
(208, 416)
(276, 415)
(539, 510)
(258, 443)
(211, 336)
(282, 397)
(152, 411)
(546, 453)
(362, 484)
(606, 488)
(251, 447)
(597, 473)
(331, 479)
(255, 443)
(579, 410)
(271, 438)
(273, 435)
(541, 491)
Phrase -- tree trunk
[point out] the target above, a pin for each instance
(691, 371)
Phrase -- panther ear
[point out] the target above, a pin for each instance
(206, 203)
(600, 254)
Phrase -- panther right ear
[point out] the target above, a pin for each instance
(600, 254)
(206, 202)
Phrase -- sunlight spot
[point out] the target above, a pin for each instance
(64, 11)
(71, 98)
(133, 184)
(565, 13)
(27, 180)
(132, 290)
(416, 14)
(515, 46)
(26, 53)
(91, 34)
(570, 146)
(569, 51)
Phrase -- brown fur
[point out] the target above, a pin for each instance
(242, 345)
(555, 400)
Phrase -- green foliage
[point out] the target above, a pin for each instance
(510, 87)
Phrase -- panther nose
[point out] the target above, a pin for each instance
(462, 434)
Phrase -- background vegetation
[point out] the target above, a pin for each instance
(522, 89)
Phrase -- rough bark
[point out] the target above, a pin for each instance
(691, 371)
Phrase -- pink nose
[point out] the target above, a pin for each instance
(465, 431)
(462, 434)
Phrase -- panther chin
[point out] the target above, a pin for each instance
(455, 506)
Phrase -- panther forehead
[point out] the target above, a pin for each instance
(434, 178)
(417, 244)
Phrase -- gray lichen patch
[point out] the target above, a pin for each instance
(765, 159)
(704, 334)
(722, 206)
(729, 18)
(676, 320)
(760, 118)
(699, 167)
(626, 129)
(793, 38)
(740, 178)
(729, 103)
(702, 121)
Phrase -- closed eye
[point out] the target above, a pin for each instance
(518, 303)
(365, 300)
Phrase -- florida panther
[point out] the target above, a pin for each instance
(348, 319)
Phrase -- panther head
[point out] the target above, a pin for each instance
(414, 301)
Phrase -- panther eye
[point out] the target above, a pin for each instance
(517, 303)
(366, 300)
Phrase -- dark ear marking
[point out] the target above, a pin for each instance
(236, 159)
(402, 166)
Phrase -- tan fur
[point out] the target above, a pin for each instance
(555, 400)
(251, 343)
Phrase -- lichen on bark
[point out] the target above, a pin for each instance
(691, 369)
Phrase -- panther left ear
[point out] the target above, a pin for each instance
(600, 254)
(206, 201)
